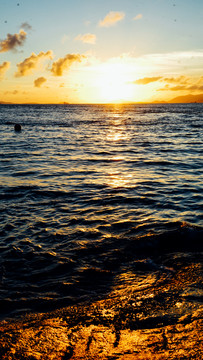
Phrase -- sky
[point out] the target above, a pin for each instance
(93, 51)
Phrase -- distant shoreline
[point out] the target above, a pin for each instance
(96, 104)
(185, 99)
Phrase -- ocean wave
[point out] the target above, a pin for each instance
(94, 198)
(28, 269)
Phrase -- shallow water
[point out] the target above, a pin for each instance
(93, 198)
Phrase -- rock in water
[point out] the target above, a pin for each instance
(17, 127)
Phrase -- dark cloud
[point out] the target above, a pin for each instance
(26, 26)
(65, 63)
(31, 63)
(13, 41)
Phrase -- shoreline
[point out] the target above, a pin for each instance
(153, 323)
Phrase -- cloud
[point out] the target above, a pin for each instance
(13, 92)
(65, 38)
(87, 38)
(31, 63)
(4, 67)
(146, 80)
(111, 18)
(173, 80)
(65, 63)
(174, 62)
(38, 82)
(13, 41)
(183, 83)
(177, 88)
(26, 26)
(194, 88)
(138, 17)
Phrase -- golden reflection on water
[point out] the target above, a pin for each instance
(135, 280)
(117, 180)
(119, 137)
(117, 134)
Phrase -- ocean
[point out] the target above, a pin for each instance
(95, 199)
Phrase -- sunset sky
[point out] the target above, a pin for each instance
(89, 51)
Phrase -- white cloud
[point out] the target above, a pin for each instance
(112, 18)
(65, 38)
(87, 38)
(138, 17)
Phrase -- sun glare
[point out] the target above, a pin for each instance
(114, 84)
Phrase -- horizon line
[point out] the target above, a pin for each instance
(110, 103)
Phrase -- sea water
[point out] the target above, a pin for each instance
(94, 198)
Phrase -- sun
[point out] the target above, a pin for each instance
(113, 83)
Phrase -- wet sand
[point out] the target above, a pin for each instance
(163, 322)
